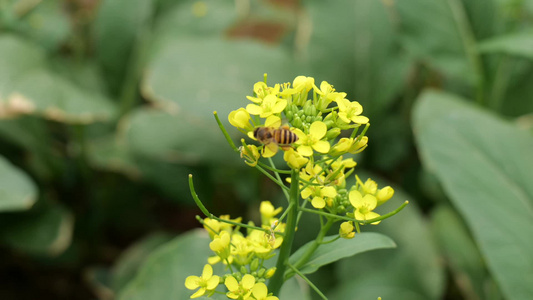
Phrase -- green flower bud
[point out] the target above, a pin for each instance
(243, 270)
(261, 272)
(330, 116)
(309, 119)
(297, 122)
(329, 123)
(289, 115)
(254, 264)
(333, 133)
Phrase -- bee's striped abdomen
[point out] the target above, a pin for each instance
(284, 136)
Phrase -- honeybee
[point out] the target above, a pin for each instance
(274, 137)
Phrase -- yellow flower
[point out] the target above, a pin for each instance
(261, 243)
(384, 194)
(303, 83)
(260, 292)
(239, 290)
(346, 230)
(268, 212)
(220, 245)
(261, 90)
(240, 118)
(294, 159)
(207, 282)
(320, 193)
(269, 106)
(311, 141)
(349, 111)
(328, 94)
(214, 227)
(250, 153)
(242, 251)
(364, 206)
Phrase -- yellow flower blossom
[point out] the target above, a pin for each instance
(206, 282)
(221, 245)
(260, 292)
(269, 106)
(261, 243)
(242, 251)
(239, 290)
(349, 111)
(308, 142)
(294, 159)
(240, 118)
(250, 153)
(303, 83)
(364, 206)
(384, 195)
(214, 227)
(320, 193)
(346, 230)
(268, 212)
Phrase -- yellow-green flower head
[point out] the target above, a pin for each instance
(262, 244)
(384, 194)
(294, 159)
(312, 173)
(327, 95)
(206, 282)
(320, 193)
(239, 290)
(270, 105)
(303, 83)
(346, 230)
(221, 245)
(359, 145)
(260, 292)
(370, 187)
(268, 212)
(364, 206)
(251, 155)
(261, 90)
(240, 118)
(349, 111)
(312, 141)
(242, 252)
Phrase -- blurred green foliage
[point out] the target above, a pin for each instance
(106, 107)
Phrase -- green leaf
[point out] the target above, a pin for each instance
(411, 271)
(485, 166)
(295, 289)
(47, 231)
(516, 43)
(28, 86)
(341, 248)
(118, 28)
(436, 32)
(162, 276)
(130, 260)
(17, 190)
(460, 252)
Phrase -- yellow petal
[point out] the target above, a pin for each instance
(191, 282)
(318, 129)
(254, 99)
(254, 109)
(321, 146)
(280, 106)
(370, 201)
(260, 290)
(341, 115)
(318, 202)
(360, 119)
(270, 150)
(208, 271)
(305, 150)
(248, 281)
(231, 283)
(273, 121)
(198, 293)
(213, 282)
(307, 192)
(355, 198)
(328, 191)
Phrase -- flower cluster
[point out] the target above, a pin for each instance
(243, 255)
(327, 126)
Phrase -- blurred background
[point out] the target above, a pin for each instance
(106, 106)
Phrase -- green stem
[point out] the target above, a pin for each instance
(314, 287)
(277, 280)
(317, 242)
(226, 134)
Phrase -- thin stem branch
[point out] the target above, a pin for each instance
(314, 287)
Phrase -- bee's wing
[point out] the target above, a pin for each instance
(270, 149)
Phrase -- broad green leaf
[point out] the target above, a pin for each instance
(516, 43)
(437, 32)
(162, 275)
(341, 248)
(132, 258)
(28, 86)
(484, 165)
(176, 137)
(460, 252)
(119, 28)
(47, 231)
(45, 22)
(295, 288)
(410, 271)
(17, 190)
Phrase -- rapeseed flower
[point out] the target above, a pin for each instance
(207, 282)
(239, 290)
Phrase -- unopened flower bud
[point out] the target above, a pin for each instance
(384, 194)
(254, 264)
(333, 133)
(270, 272)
